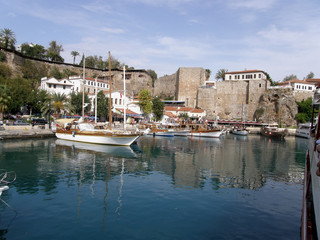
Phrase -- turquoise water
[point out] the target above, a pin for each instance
(161, 188)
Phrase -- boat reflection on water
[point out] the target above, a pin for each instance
(114, 151)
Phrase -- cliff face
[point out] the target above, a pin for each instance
(136, 80)
(277, 105)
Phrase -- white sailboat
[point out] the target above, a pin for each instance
(89, 133)
(241, 129)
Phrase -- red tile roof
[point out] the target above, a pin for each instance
(169, 114)
(127, 111)
(295, 81)
(245, 71)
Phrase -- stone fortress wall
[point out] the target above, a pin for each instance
(228, 99)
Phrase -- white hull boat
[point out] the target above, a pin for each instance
(303, 130)
(209, 134)
(240, 132)
(84, 132)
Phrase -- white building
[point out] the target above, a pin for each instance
(246, 75)
(299, 85)
(73, 84)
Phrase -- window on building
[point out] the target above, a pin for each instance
(119, 101)
(116, 101)
(49, 85)
(64, 86)
(230, 77)
(54, 86)
(254, 76)
(309, 88)
(260, 85)
(259, 75)
(242, 76)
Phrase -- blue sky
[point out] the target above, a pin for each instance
(280, 37)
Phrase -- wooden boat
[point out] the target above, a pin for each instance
(303, 130)
(85, 132)
(274, 132)
(310, 220)
(200, 130)
(158, 130)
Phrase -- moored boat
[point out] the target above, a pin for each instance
(274, 132)
(310, 220)
(199, 130)
(239, 131)
(85, 132)
(303, 130)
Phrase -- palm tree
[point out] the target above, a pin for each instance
(221, 74)
(4, 100)
(58, 102)
(208, 73)
(74, 54)
(8, 37)
(53, 52)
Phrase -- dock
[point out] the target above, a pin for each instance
(21, 132)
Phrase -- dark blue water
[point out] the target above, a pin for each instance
(161, 188)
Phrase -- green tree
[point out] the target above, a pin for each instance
(5, 70)
(35, 51)
(272, 83)
(208, 74)
(157, 108)
(3, 57)
(55, 72)
(4, 100)
(58, 102)
(310, 75)
(102, 106)
(74, 54)
(145, 101)
(34, 71)
(53, 52)
(76, 102)
(290, 77)
(221, 74)
(8, 39)
(304, 110)
(153, 75)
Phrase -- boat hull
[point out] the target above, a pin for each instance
(208, 134)
(274, 133)
(240, 132)
(108, 139)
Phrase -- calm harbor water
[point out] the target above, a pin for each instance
(162, 188)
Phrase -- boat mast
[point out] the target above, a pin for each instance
(96, 101)
(124, 98)
(110, 115)
(83, 80)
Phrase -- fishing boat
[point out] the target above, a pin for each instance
(273, 131)
(303, 130)
(310, 220)
(80, 131)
